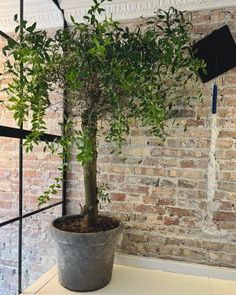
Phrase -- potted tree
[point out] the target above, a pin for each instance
(110, 73)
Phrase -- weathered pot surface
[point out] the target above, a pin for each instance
(85, 260)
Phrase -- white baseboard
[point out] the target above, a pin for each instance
(176, 267)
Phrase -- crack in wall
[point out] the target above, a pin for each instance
(208, 225)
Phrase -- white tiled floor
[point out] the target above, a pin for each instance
(139, 281)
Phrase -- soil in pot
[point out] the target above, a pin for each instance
(78, 225)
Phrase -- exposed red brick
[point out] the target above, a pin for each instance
(167, 202)
(227, 134)
(180, 212)
(187, 184)
(225, 216)
(117, 197)
(188, 164)
(171, 220)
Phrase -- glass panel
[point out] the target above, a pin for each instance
(6, 117)
(8, 259)
(54, 113)
(9, 178)
(53, 116)
(39, 171)
(38, 248)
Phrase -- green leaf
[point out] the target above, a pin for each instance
(11, 43)
(72, 19)
(17, 29)
(23, 23)
(31, 28)
(86, 17)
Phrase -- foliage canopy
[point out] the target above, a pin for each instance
(107, 72)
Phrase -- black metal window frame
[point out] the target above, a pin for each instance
(21, 134)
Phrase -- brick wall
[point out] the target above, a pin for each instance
(174, 205)
(178, 201)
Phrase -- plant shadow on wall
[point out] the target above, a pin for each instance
(108, 73)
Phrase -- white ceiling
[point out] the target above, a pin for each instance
(47, 15)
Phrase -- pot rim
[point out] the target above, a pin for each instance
(54, 228)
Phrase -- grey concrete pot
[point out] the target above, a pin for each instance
(85, 260)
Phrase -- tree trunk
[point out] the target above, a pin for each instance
(90, 175)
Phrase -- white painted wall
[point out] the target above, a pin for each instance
(45, 13)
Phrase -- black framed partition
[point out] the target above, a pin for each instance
(20, 134)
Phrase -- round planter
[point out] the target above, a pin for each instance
(85, 260)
